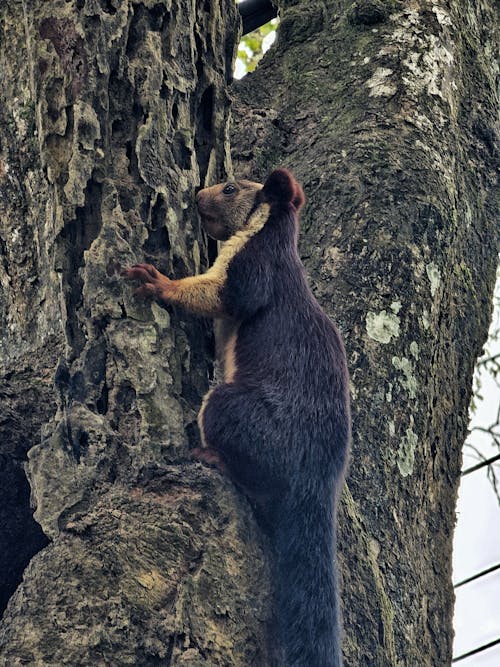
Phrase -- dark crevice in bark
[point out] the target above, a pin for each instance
(102, 401)
(107, 7)
(231, 43)
(199, 60)
(25, 407)
(21, 537)
(157, 242)
(181, 152)
(77, 237)
(204, 130)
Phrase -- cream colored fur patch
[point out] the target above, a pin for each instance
(201, 294)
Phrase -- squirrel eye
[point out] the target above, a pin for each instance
(229, 189)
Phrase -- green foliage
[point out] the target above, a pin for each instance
(253, 46)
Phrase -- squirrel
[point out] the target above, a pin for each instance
(279, 423)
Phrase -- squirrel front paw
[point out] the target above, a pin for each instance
(154, 283)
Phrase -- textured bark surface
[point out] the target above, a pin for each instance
(112, 113)
(385, 111)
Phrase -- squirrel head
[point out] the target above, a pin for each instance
(225, 208)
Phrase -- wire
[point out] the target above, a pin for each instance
(493, 568)
(476, 650)
(478, 466)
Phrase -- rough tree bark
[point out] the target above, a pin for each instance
(111, 114)
(386, 112)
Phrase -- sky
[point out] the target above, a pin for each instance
(477, 540)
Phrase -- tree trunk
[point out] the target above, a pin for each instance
(111, 114)
(385, 111)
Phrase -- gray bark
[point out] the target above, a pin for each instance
(386, 113)
(111, 114)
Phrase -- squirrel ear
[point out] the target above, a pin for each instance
(281, 187)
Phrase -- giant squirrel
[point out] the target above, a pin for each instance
(279, 424)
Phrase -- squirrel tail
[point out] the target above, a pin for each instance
(307, 606)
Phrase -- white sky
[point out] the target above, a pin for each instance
(477, 541)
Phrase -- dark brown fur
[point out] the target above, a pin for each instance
(279, 425)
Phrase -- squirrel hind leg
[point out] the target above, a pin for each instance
(232, 421)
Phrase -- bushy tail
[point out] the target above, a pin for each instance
(306, 587)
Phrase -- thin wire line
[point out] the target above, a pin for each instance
(476, 650)
(479, 574)
(481, 465)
